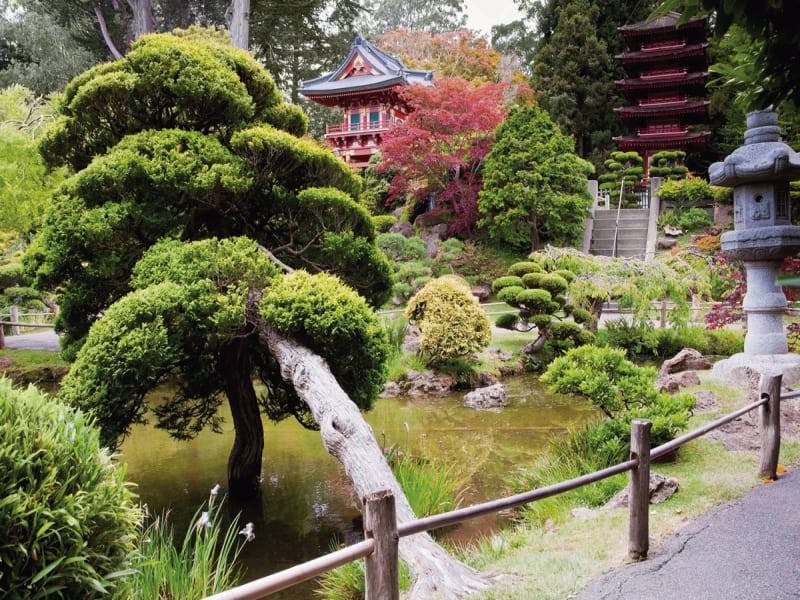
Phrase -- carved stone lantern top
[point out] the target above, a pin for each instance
(763, 157)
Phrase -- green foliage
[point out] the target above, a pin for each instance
(506, 320)
(451, 322)
(383, 222)
(689, 219)
(68, 518)
(430, 488)
(534, 186)
(201, 565)
(509, 294)
(398, 247)
(507, 281)
(334, 322)
(25, 183)
(534, 301)
(178, 129)
(521, 269)
(623, 391)
(686, 193)
(613, 383)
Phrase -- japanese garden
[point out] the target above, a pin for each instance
(264, 262)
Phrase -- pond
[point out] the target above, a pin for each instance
(306, 503)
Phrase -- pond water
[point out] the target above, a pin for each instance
(306, 504)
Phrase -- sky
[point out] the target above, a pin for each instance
(482, 14)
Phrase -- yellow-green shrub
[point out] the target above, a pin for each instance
(451, 322)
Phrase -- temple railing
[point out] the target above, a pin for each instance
(360, 127)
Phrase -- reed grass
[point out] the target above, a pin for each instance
(203, 564)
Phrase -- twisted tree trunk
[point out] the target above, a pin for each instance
(244, 462)
(350, 439)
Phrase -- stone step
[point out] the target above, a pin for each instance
(623, 234)
(628, 224)
(631, 213)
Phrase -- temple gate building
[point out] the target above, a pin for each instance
(365, 86)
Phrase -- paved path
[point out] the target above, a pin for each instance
(44, 340)
(748, 549)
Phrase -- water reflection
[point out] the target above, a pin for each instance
(306, 501)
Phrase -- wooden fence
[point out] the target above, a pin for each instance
(18, 321)
(382, 532)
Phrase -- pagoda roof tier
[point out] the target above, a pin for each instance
(365, 70)
(665, 24)
(666, 81)
(670, 53)
(664, 109)
(693, 140)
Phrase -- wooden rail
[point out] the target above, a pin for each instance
(383, 533)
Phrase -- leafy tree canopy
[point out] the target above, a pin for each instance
(462, 54)
(534, 185)
(183, 140)
(439, 149)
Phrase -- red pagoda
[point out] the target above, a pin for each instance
(666, 72)
(365, 86)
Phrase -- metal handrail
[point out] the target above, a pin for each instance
(616, 225)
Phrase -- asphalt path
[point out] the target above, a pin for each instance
(748, 549)
(43, 340)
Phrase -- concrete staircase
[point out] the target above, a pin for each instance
(631, 237)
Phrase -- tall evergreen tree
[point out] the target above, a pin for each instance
(573, 75)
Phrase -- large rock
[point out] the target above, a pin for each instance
(428, 383)
(432, 236)
(404, 228)
(487, 398)
(685, 360)
(675, 381)
(661, 488)
(391, 389)
(667, 243)
(481, 292)
(411, 339)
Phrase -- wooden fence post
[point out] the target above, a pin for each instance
(380, 524)
(15, 319)
(2, 336)
(770, 416)
(639, 491)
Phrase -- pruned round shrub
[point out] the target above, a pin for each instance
(536, 301)
(507, 320)
(68, 519)
(581, 315)
(555, 284)
(541, 322)
(531, 280)
(521, 268)
(450, 320)
(569, 276)
(509, 294)
(506, 281)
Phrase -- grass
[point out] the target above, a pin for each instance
(204, 564)
(34, 359)
(557, 559)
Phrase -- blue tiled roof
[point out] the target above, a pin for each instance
(392, 72)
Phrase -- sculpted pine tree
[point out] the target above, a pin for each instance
(174, 248)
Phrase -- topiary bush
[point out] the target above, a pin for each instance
(451, 322)
(622, 390)
(68, 519)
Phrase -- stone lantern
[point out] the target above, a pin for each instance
(759, 173)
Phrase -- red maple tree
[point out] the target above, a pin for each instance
(438, 151)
